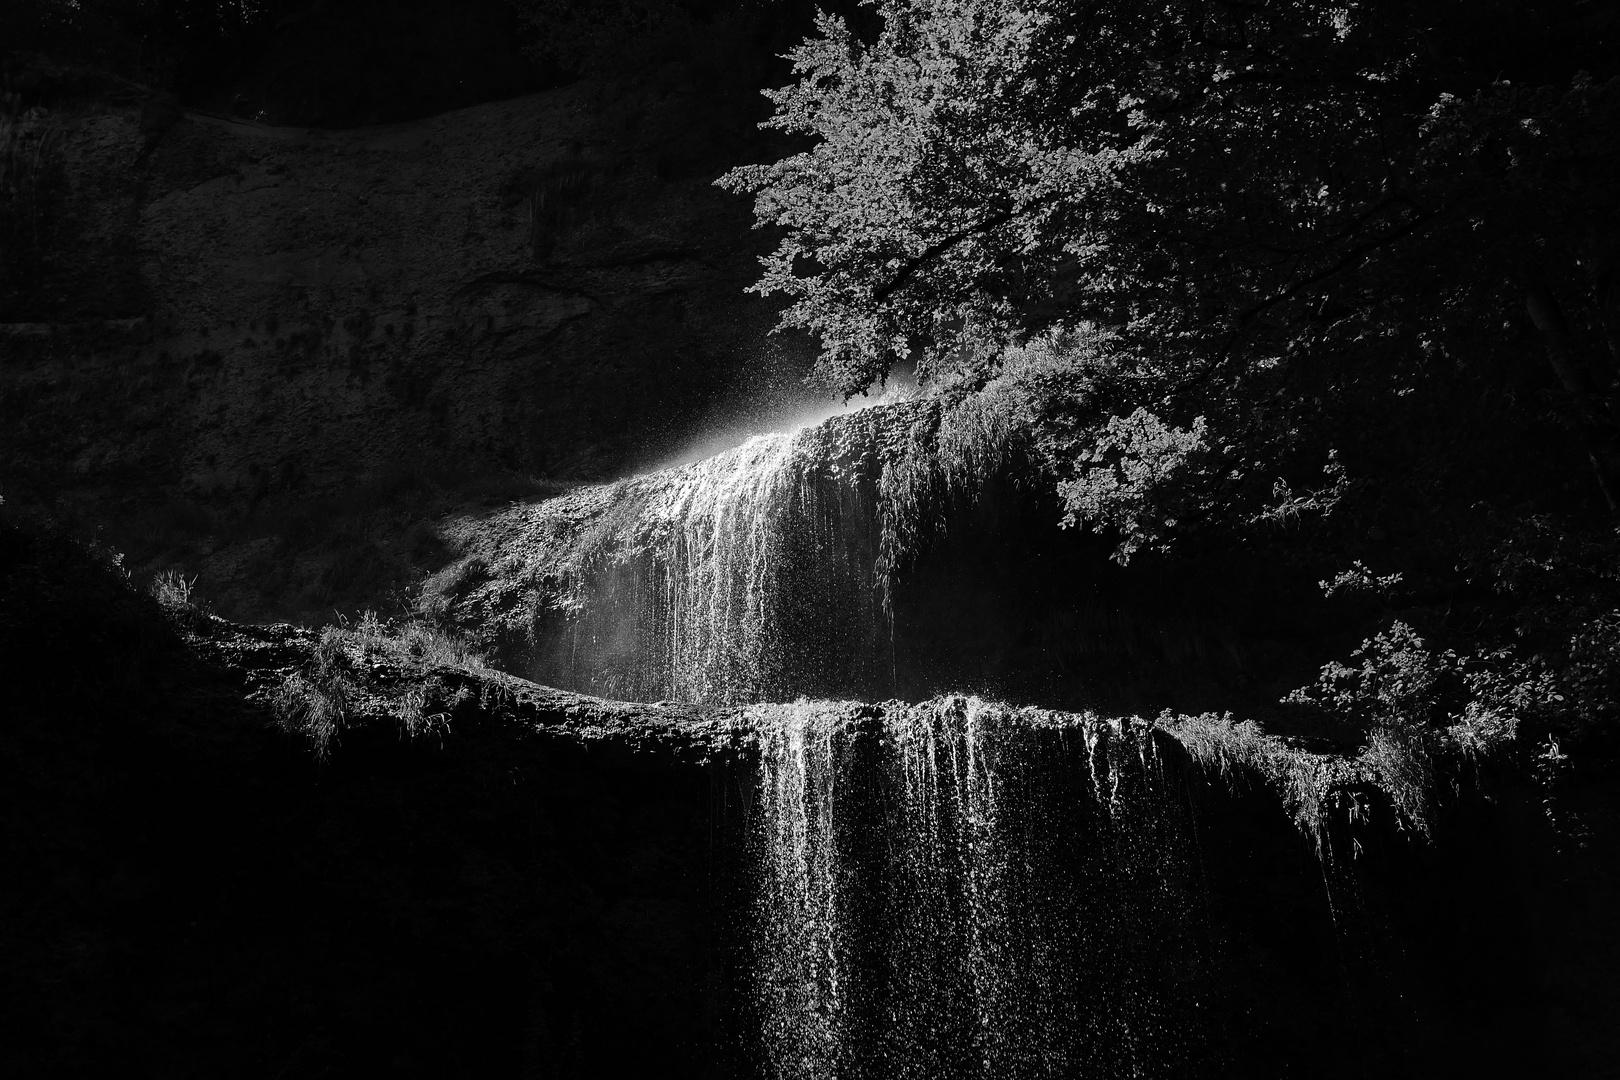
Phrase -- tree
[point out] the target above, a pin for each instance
(1244, 205)
(1228, 267)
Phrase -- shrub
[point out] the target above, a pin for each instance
(410, 641)
(315, 702)
(373, 666)
(176, 594)
(1309, 785)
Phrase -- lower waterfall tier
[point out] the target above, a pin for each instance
(960, 889)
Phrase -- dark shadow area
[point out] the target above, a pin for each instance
(189, 893)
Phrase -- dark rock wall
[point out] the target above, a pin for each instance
(538, 284)
(209, 325)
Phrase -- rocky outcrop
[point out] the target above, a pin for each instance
(261, 658)
(206, 317)
(537, 284)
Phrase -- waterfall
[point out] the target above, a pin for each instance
(753, 575)
(794, 565)
(962, 889)
(950, 890)
(742, 577)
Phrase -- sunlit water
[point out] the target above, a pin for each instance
(748, 576)
(960, 889)
(953, 890)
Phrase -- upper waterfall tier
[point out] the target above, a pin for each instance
(904, 550)
(756, 574)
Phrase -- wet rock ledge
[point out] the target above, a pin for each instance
(418, 698)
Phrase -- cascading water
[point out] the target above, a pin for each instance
(960, 889)
(953, 890)
(744, 576)
(753, 575)
(789, 566)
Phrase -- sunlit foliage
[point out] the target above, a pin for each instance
(1291, 277)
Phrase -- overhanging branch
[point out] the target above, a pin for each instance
(940, 247)
(1349, 260)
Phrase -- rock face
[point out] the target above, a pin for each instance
(524, 283)
(215, 316)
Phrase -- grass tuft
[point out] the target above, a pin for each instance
(374, 666)
(177, 595)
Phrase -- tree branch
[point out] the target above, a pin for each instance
(939, 247)
(1347, 261)
(1594, 420)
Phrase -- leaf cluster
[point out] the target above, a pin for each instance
(1287, 279)
(1273, 215)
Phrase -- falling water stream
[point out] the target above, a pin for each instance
(962, 889)
(952, 889)
(749, 576)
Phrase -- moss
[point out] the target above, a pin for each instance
(1400, 768)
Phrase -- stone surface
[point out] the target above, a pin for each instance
(535, 283)
(216, 320)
